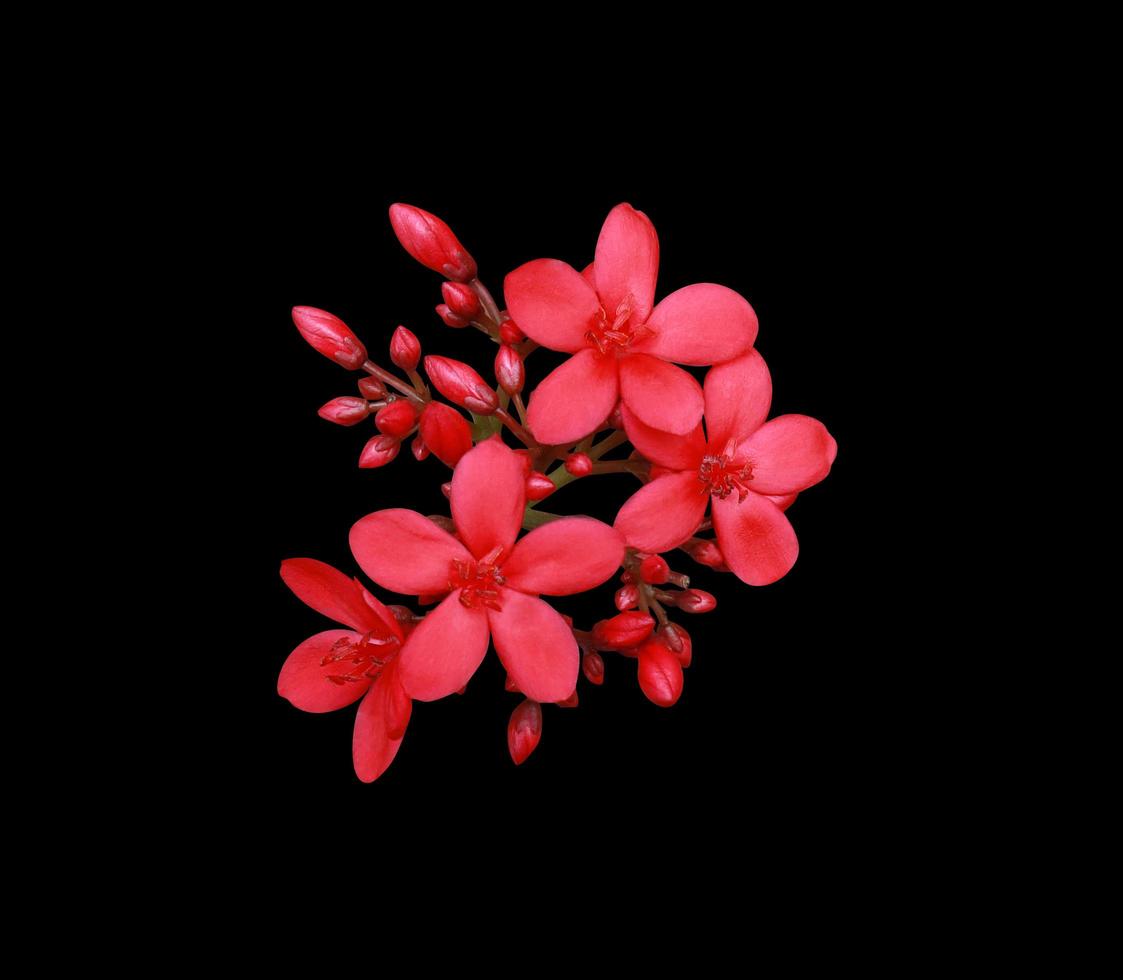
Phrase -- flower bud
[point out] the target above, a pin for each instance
(570, 702)
(704, 552)
(509, 370)
(378, 452)
(461, 385)
(696, 601)
(677, 640)
(396, 419)
(654, 569)
(450, 319)
(344, 410)
(539, 486)
(446, 489)
(418, 448)
(372, 388)
(578, 464)
(627, 598)
(524, 730)
(509, 332)
(446, 432)
(660, 674)
(627, 629)
(405, 349)
(592, 665)
(431, 242)
(461, 299)
(330, 336)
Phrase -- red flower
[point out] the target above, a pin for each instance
(750, 468)
(337, 667)
(621, 345)
(492, 583)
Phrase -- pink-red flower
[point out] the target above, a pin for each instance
(749, 468)
(621, 346)
(492, 583)
(337, 667)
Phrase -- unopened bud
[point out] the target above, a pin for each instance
(696, 601)
(461, 385)
(660, 674)
(570, 702)
(678, 642)
(705, 552)
(330, 336)
(509, 370)
(378, 452)
(405, 349)
(431, 242)
(460, 299)
(578, 464)
(396, 419)
(592, 665)
(446, 489)
(539, 486)
(627, 629)
(654, 569)
(344, 410)
(372, 388)
(524, 730)
(450, 319)
(510, 333)
(627, 598)
(418, 448)
(446, 432)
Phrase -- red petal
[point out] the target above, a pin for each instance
(789, 453)
(405, 552)
(589, 274)
(663, 514)
(535, 645)
(574, 398)
(445, 432)
(665, 448)
(564, 557)
(755, 537)
(551, 303)
(488, 497)
(330, 592)
(381, 611)
(701, 324)
(627, 262)
(443, 652)
(661, 395)
(305, 683)
(738, 396)
(380, 726)
(784, 500)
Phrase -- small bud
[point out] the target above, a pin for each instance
(660, 674)
(705, 553)
(592, 664)
(524, 730)
(510, 685)
(431, 242)
(446, 489)
(627, 598)
(616, 420)
(696, 601)
(444, 523)
(344, 410)
(461, 385)
(627, 629)
(654, 569)
(396, 419)
(509, 332)
(539, 486)
(570, 702)
(627, 577)
(378, 452)
(509, 370)
(446, 432)
(578, 464)
(405, 349)
(372, 388)
(330, 336)
(677, 640)
(418, 448)
(460, 299)
(450, 319)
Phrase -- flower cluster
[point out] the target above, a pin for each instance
(717, 477)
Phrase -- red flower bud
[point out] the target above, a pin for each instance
(418, 448)
(450, 319)
(592, 664)
(677, 640)
(524, 730)
(539, 486)
(628, 629)
(509, 370)
(627, 598)
(696, 601)
(446, 489)
(654, 569)
(578, 464)
(660, 674)
(405, 349)
(461, 299)
(378, 452)
(431, 242)
(344, 410)
(570, 702)
(461, 385)
(510, 333)
(396, 419)
(705, 553)
(445, 432)
(330, 336)
(372, 388)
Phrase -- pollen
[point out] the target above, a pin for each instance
(479, 582)
(366, 658)
(618, 335)
(721, 477)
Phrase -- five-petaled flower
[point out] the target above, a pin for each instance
(492, 583)
(749, 468)
(620, 345)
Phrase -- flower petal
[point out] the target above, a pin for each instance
(663, 514)
(305, 683)
(664, 448)
(380, 725)
(574, 398)
(564, 557)
(552, 303)
(589, 274)
(488, 497)
(405, 552)
(784, 500)
(661, 395)
(738, 396)
(700, 324)
(330, 592)
(627, 262)
(756, 539)
(443, 652)
(535, 645)
(788, 454)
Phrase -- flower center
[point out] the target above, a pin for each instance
(366, 657)
(722, 476)
(478, 581)
(620, 333)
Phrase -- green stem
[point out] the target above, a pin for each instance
(536, 518)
